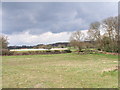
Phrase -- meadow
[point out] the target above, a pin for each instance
(67, 70)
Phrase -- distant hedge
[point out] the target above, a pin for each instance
(8, 53)
(4, 52)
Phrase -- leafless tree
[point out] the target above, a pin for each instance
(3, 42)
(107, 40)
(76, 40)
(111, 26)
(3, 45)
(94, 33)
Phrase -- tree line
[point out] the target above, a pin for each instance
(104, 34)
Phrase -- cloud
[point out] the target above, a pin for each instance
(25, 38)
(55, 17)
(29, 23)
(0, 17)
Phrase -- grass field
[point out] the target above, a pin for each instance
(60, 71)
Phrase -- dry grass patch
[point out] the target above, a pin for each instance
(59, 70)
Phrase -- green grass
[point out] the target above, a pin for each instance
(59, 71)
(0, 72)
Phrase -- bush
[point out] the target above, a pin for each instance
(67, 51)
(48, 51)
(90, 51)
(57, 51)
(11, 53)
(4, 52)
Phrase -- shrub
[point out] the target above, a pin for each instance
(57, 51)
(4, 52)
(67, 51)
(25, 53)
(90, 51)
(48, 51)
(11, 53)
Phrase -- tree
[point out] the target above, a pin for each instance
(3, 45)
(94, 34)
(111, 27)
(105, 34)
(94, 31)
(77, 39)
(3, 42)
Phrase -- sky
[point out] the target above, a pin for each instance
(32, 23)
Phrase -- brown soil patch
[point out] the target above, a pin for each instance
(111, 69)
(38, 85)
(110, 53)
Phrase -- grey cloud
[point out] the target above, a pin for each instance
(0, 17)
(42, 17)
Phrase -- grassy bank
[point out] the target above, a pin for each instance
(60, 71)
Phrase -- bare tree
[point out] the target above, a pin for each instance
(76, 40)
(3, 45)
(3, 42)
(94, 33)
(111, 26)
(108, 40)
